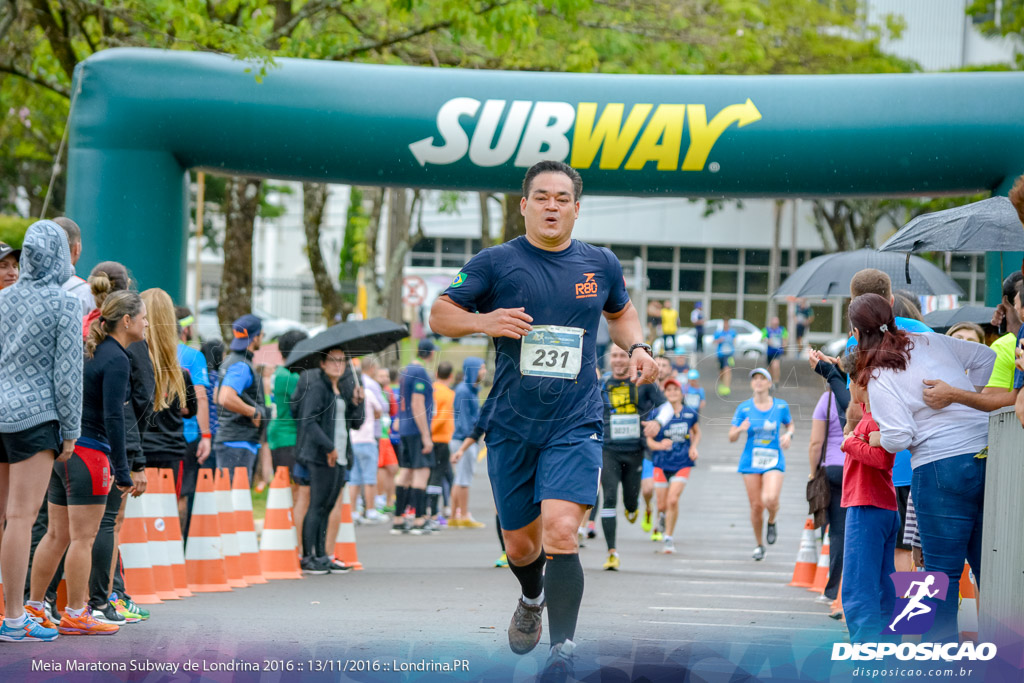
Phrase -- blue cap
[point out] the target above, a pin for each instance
(426, 347)
(693, 374)
(244, 329)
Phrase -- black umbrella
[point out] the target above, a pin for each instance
(940, 321)
(355, 338)
(829, 276)
(988, 225)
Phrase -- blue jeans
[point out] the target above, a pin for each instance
(232, 457)
(868, 592)
(949, 496)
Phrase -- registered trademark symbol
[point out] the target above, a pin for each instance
(714, 167)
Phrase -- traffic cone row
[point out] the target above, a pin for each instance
(806, 558)
(345, 545)
(821, 571)
(279, 546)
(967, 618)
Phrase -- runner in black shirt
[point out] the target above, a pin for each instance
(79, 485)
(625, 404)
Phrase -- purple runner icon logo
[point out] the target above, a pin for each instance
(916, 596)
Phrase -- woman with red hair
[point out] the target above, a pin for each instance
(947, 446)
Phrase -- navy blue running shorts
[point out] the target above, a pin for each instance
(522, 475)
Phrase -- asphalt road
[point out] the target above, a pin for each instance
(433, 601)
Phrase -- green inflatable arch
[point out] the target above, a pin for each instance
(142, 118)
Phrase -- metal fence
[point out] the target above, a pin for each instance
(1001, 594)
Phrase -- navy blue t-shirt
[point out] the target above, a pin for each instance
(568, 288)
(414, 379)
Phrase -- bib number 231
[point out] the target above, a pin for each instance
(550, 351)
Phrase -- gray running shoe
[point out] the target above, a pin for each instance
(525, 627)
(758, 553)
(772, 533)
(559, 667)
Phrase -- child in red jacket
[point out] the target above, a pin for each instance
(872, 525)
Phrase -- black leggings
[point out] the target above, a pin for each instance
(325, 484)
(625, 468)
(103, 550)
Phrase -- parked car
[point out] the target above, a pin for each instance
(273, 326)
(748, 338)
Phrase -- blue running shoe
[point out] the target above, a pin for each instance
(31, 630)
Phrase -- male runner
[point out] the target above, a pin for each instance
(540, 297)
(623, 454)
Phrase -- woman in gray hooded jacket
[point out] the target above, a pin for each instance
(40, 403)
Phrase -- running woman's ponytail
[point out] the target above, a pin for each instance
(115, 307)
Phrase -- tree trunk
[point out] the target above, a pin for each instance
(376, 196)
(314, 199)
(514, 225)
(243, 203)
(485, 219)
(399, 219)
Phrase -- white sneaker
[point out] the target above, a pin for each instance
(374, 517)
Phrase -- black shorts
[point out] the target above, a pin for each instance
(186, 471)
(83, 479)
(20, 446)
(902, 495)
(412, 456)
(801, 330)
(283, 457)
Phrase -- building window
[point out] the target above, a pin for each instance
(691, 280)
(424, 261)
(726, 257)
(758, 257)
(723, 307)
(725, 281)
(625, 252)
(659, 279)
(427, 245)
(755, 282)
(688, 255)
(453, 246)
(659, 254)
(755, 311)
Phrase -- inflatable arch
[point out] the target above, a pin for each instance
(141, 118)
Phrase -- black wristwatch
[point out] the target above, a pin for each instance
(641, 345)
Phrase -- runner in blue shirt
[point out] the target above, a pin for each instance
(725, 348)
(416, 456)
(674, 451)
(775, 336)
(762, 463)
(693, 393)
(540, 298)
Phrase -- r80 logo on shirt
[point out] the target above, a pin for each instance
(587, 288)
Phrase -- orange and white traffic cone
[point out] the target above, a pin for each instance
(156, 532)
(279, 557)
(228, 538)
(821, 571)
(204, 563)
(134, 546)
(345, 544)
(806, 557)
(967, 618)
(175, 544)
(245, 531)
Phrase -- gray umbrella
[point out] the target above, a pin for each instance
(940, 321)
(829, 276)
(988, 225)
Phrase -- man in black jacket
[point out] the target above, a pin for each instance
(330, 403)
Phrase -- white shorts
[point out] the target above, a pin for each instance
(465, 468)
